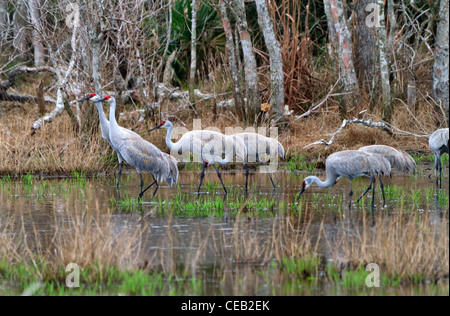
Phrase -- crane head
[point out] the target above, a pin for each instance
(92, 97)
(108, 98)
(305, 185)
(163, 124)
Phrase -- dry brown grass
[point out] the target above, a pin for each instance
(58, 150)
(404, 246)
(409, 247)
(290, 238)
(94, 242)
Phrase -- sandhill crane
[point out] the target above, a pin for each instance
(351, 165)
(439, 145)
(104, 127)
(209, 146)
(258, 145)
(140, 154)
(399, 160)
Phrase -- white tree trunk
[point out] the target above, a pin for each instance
(344, 50)
(63, 78)
(95, 46)
(384, 64)
(232, 60)
(365, 46)
(34, 11)
(3, 21)
(193, 68)
(250, 67)
(441, 70)
(276, 59)
(19, 28)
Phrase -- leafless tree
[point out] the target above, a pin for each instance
(250, 66)
(343, 47)
(441, 71)
(276, 60)
(193, 68)
(232, 51)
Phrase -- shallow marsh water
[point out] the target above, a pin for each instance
(178, 224)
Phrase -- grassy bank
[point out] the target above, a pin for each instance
(57, 150)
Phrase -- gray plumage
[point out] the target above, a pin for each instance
(139, 153)
(261, 149)
(105, 130)
(258, 145)
(212, 148)
(439, 145)
(398, 159)
(351, 165)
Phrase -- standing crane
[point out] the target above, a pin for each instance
(351, 165)
(258, 145)
(439, 145)
(104, 127)
(139, 153)
(210, 146)
(399, 160)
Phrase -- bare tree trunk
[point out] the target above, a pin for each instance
(34, 11)
(384, 65)
(365, 46)
(232, 61)
(19, 28)
(250, 67)
(63, 79)
(276, 60)
(193, 69)
(393, 30)
(95, 46)
(168, 40)
(441, 71)
(3, 21)
(344, 50)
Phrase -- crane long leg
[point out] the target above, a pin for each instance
(374, 180)
(202, 176)
(142, 187)
(382, 190)
(120, 174)
(351, 194)
(438, 168)
(220, 177)
(247, 173)
(270, 175)
(151, 185)
(367, 191)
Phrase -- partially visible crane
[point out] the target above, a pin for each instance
(140, 154)
(351, 165)
(439, 145)
(399, 160)
(212, 147)
(258, 145)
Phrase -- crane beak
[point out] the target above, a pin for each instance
(84, 99)
(301, 193)
(153, 129)
(101, 101)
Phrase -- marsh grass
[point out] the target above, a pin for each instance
(300, 162)
(408, 248)
(296, 251)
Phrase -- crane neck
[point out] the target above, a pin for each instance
(112, 115)
(104, 123)
(329, 182)
(169, 142)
